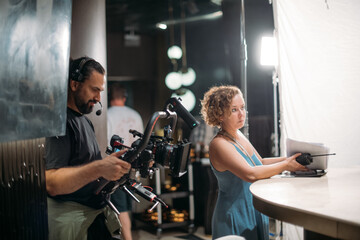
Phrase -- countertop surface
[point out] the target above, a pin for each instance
(331, 202)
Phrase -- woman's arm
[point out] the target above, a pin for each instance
(267, 161)
(264, 161)
(224, 156)
(271, 160)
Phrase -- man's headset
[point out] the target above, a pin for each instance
(77, 75)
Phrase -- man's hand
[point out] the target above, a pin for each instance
(151, 163)
(69, 179)
(113, 168)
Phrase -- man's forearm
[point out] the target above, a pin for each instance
(70, 179)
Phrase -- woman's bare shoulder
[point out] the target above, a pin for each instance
(218, 139)
(219, 145)
(223, 155)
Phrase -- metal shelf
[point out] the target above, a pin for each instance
(180, 194)
(160, 224)
(163, 225)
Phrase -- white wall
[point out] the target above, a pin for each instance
(319, 71)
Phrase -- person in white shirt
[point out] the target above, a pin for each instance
(121, 119)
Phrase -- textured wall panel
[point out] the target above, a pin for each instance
(23, 207)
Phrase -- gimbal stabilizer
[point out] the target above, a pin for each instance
(150, 148)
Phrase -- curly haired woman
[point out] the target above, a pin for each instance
(236, 164)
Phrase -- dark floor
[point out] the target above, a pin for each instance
(170, 234)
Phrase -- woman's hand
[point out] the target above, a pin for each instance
(293, 165)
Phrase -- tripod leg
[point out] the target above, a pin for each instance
(111, 205)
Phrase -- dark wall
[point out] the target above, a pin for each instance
(259, 22)
(207, 56)
(141, 68)
(131, 58)
(213, 51)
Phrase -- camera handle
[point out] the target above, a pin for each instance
(176, 106)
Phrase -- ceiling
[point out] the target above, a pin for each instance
(141, 16)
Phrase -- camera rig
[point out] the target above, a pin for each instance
(147, 149)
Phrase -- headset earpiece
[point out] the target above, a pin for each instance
(77, 75)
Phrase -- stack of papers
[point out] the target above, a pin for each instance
(319, 163)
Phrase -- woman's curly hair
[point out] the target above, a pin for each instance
(216, 103)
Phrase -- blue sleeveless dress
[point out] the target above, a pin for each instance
(234, 213)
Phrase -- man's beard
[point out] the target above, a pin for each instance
(84, 108)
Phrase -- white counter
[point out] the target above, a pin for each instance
(328, 205)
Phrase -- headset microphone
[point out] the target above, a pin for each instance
(98, 112)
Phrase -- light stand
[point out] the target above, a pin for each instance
(275, 81)
(243, 64)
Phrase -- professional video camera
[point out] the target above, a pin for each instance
(148, 148)
(159, 149)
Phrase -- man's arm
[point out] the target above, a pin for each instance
(70, 179)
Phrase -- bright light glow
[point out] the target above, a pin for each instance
(161, 26)
(189, 77)
(174, 52)
(173, 80)
(268, 51)
(188, 100)
(217, 2)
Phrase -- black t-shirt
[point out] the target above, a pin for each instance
(77, 147)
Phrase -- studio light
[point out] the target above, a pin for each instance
(268, 52)
(174, 52)
(173, 80)
(188, 78)
(162, 26)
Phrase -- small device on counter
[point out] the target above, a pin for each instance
(307, 158)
